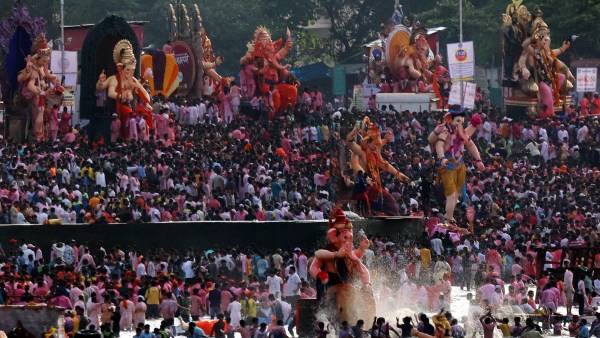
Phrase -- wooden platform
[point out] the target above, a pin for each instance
(521, 107)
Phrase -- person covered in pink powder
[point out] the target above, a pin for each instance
(127, 313)
(53, 122)
(143, 132)
(139, 312)
(236, 96)
(65, 121)
(133, 133)
(115, 128)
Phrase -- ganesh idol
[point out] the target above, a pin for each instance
(366, 157)
(123, 87)
(262, 62)
(342, 277)
(415, 66)
(38, 83)
(538, 63)
(448, 142)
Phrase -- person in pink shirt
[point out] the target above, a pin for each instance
(487, 291)
(15, 296)
(167, 309)
(40, 292)
(489, 324)
(317, 98)
(143, 130)
(197, 305)
(61, 301)
(53, 122)
(240, 214)
(132, 127)
(226, 297)
(65, 121)
(70, 137)
(139, 312)
(127, 313)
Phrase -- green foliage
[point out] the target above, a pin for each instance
(310, 49)
(354, 23)
(231, 24)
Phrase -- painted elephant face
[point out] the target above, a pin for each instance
(458, 121)
(345, 238)
(129, 69)
(43, 61)
(545, 41)
(524, 14)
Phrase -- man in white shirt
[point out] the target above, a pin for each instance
(582, 133)
(292, 287)
(187, 268)
(42, 216)
(140, 270)
(154, 215)
(436, 245)
(100, 178)
(562, 135)
(274, 283)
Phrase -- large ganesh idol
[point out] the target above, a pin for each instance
(38, 83)
(407, 59)
(539, 61)
(262, 69)
(532, 69)
(123, 87)
(343, 281)
(366, 158)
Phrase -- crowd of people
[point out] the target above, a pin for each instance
(279, 168)
(535, 209)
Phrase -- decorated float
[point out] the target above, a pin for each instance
(535, 82)
(193, 53)
(404, 67)
(28, 86)
(262, 71)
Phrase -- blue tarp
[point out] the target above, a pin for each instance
(317, 70)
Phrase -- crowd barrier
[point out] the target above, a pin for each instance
(287, 235)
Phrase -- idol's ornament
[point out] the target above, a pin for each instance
(536, 82)
(343, 282)
(123, 87)
(262, 69)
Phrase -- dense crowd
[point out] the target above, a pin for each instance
(536, 209)
(206, 168)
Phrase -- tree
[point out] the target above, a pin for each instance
(353, 24)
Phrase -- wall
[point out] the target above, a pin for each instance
(205, 235)
(33, 318)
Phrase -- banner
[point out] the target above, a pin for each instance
(467, 98)
(69, 97)
(461, 61)
(586, 79)
(184, 57)
(368, 90)
(470, 89)
(357, 99)
(70, 64)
